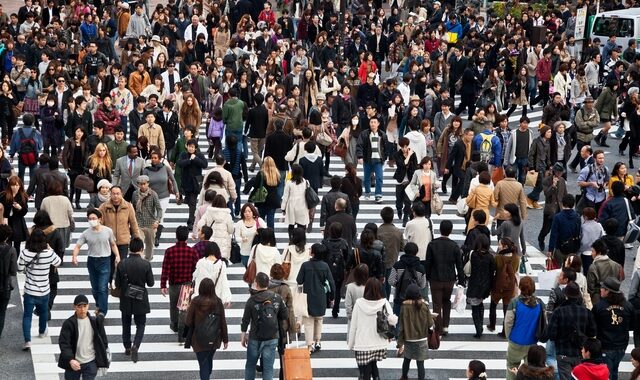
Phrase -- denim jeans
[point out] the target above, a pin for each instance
(551, 358)
(42, 306)
(613, 358)
(386, 286)
(140, 320)
(88, 371)
(238, 134)
(377, 169)
(256, 349)
(205, 361)
(520, 168)
(283, 178)
(99, 271)
(532, 87)
(269, 215)
(22, 168)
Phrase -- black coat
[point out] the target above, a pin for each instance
(313, 275)
(456, 158)
(170, 129)
(15, 217)
(273, 200)
(257, 121)
(444, 261)
(483, 268)
(191, 171)
(370, 257)
(363, 148)
(349, 229)
(343, 110)
(68, 341)
(276, 146)
(8, 269)
(37, 184)
(138, 272)
(313, 171)
(404, 170)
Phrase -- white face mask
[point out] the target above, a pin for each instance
(354, 121)
(94, 223)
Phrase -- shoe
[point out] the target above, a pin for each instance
(628, 246)
(334, 315)
(259, 368)
(445, 331)
(378, 199)
(603, 143)
(26, 346)
(367, 196)
(573, 169)
(78, 206)
(491, 328)
(173, 328)
(317, 347)
(312, 349)
(541, 245)
(127, 351)
(501, 334)
(620, 152)
(44, 334)
(134, 354)
(530, 203)
(477, 335)
(444, 190)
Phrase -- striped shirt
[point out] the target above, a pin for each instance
(37, 270)
(375, 146)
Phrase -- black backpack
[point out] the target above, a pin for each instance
(335, 259)
(208, 331)
(408, 277)
(267, 324)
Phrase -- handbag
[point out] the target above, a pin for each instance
(84, 182)
(114, 291)
(341, 149)
(433, 340)
(482, 101)
(436, 203)
(550, 264)
(460, 300)
(497, 175)
(323, 138)
(462, 207)
(286, 265)
(250, 274)
(383, 327)
(541, 328)
(633, 231)
(311, 197)
(300, 308)
(16, 110)
(184, 298)
(532, 178)
(259, 195)
(525, 266)
(135, 292)
(235, 255)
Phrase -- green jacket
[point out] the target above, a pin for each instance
(607, 105)
(232, 114)
(117, 150)
(415, 322)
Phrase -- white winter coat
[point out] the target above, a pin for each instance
(362, 331)
(217, 272)
(295, 204)
(219, 219)
(266, 257)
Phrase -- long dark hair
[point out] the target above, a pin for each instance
(482, 245)
(514, 210)
(37, 241)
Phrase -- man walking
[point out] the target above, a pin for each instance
(593, 180)
(264, 312)
(127, 170)
(371, 153)
(177, 269)
(148, 213)
(27, 144)
(120, 216)
(517, 150)
(132, 276)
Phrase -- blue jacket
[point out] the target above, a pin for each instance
(565, 225)
(89, 33)
(616, 208)
(496, 146)
(14, 147)
(457, 28)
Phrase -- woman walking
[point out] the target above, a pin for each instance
(426, 182)
(246, 229)
(355, 291)
(352, 186)
(511, 227)
(504, 287)
(297, 253)
(295, 209)
(99, 167)
(265, 253)
(14, 201)
(160, 175)
(269, 178)
(317, 282)
(212, 266)
(450, 135)
(199, 319)
(74, 155)
(42, 222)
(218, 217)
(369, 346)
(415, 322)
(482, 266)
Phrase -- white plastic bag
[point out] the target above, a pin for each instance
(460, 301)
(462, 207)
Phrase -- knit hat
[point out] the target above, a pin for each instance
(572, 290)
(412, 292)
(105, 183)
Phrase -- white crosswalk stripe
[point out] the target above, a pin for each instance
(162, 357)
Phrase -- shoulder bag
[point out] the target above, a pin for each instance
(235, 256)
(323, 138)
(84, 182)
(436, 202)
(250, 274)
(633, 231)
(259, 195)
(383, 327)
(311, 197)
(286, 265)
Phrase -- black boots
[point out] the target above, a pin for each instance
(492, 317)
(158, 233)
(477, 312)
(601, 139)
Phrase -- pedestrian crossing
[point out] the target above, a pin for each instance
(161, 356)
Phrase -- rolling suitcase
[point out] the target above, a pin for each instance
(296, 363)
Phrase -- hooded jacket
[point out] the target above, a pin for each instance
(250, 316)
(363, 335)
(199, 309)
(219, 219)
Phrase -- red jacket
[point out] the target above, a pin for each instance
(590, 371)
(543, 70)
(267, 16)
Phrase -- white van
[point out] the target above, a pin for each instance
(624, 24)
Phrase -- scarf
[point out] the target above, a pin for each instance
(141, 199)
(561, 141)
(103, 198)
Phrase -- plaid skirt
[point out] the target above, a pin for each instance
(365, 357)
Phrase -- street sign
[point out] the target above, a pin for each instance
(581, 23)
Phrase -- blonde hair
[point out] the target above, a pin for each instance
(102, 165)
(270, 171)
